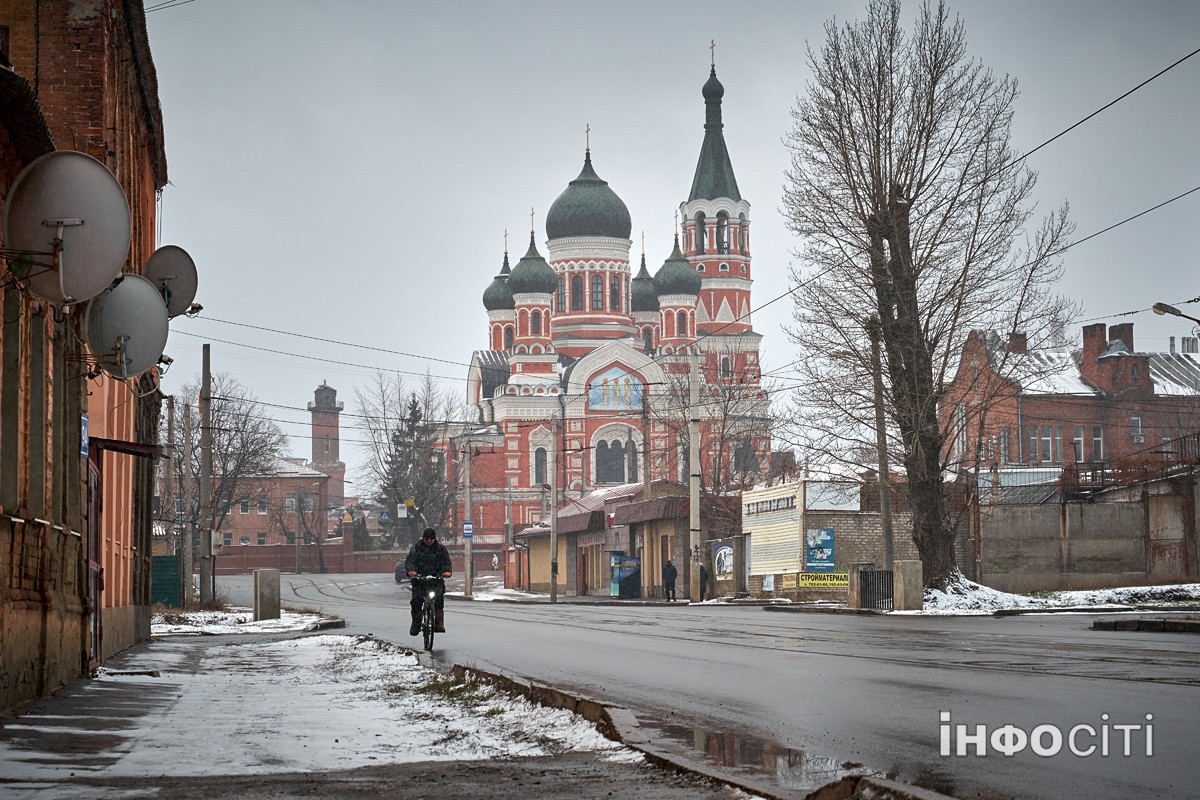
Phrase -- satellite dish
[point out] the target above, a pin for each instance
(73, 198)
(126, 327)
(172, 270)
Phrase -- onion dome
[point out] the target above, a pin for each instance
(532, 274)
(588, 207)
(677, 276)
(642, 295)
(497, 296)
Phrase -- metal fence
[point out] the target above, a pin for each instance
(876, 590)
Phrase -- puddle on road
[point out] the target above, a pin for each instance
(767, 762)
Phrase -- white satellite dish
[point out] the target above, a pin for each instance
(66, 226)
(126, 327)
(172, 270)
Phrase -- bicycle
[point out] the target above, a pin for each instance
(429, 586)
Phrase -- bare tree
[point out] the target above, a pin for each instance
(245, 444)
(913, 210)
(409, 460)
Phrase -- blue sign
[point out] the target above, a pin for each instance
(468, 530)
(819, 546)
(83, 445)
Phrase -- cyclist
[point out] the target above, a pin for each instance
(428, 557)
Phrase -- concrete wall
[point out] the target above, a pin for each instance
(1078, 546)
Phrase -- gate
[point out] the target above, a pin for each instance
(876, 590)
(166, 581)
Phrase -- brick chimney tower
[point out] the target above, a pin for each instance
(326, 432)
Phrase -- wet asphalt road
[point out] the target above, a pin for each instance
(804, 698)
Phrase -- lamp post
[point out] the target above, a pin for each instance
(1163, 308)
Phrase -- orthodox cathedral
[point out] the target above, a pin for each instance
(581, 345)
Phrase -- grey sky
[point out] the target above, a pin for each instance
(347, 170)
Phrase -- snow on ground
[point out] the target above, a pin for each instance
(349, 701)
(967, 597)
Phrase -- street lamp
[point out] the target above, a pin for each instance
(1163, 308)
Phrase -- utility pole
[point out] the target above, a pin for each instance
(168, 505)
(468, 525)
(206, 499)
(885, 482)
(694, 473)
(645, 442)
(554, 510)
(299, 505)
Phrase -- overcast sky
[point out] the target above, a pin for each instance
(348, 170)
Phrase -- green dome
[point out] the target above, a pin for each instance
(532, 274)
(588, 207)
(497, 296)
(677, 276)
(642, 295)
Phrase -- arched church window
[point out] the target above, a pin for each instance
(560, 300)
(535, 324)
(722, 232)
(648, 339)
(681, 324)
(631, 459)
(614, 293)
(597, 293)
(701, 231)
(539, 466)
(508, 337)
(726, 367)
(577, 293)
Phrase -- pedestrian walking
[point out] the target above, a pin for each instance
(669, 574)
(495, 561)
(703, 582)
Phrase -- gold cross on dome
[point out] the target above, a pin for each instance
(587, 137)
(712, 49)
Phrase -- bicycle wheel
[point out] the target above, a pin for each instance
(428, 623)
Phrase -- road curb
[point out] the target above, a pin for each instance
(621, 725)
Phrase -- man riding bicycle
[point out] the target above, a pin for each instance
(428, 557)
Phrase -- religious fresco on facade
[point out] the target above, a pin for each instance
(616, 389)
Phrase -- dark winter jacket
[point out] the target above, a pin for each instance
(427, 559)
(669, 573)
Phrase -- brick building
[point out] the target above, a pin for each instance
(1014, 406)
(75, 499)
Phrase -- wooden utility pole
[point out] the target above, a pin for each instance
(206, 499)
(885, 482)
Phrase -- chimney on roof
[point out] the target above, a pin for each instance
(1018, 343)
(1190, 344)
(1095, 342)
(1124, 332)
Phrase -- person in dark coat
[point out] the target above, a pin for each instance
(669, 574)
(428, 557)
(703, 582)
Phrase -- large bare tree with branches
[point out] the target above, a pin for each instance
(914, 212)
(245, 444)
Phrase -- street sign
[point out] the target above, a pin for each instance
(468, 530)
